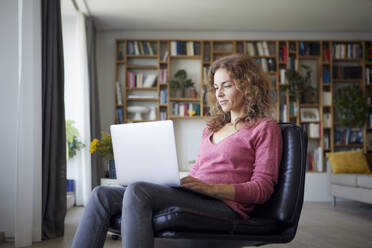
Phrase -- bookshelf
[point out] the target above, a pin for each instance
(143, 68)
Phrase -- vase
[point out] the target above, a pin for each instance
(112, 171)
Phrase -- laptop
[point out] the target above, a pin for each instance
(146, 152)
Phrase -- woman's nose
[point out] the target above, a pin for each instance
(219, 92)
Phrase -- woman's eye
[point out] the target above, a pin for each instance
(227, 86)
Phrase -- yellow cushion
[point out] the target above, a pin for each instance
(348, 162)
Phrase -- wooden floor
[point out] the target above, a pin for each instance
(349, 225)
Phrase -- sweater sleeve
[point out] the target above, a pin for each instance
(268, 152)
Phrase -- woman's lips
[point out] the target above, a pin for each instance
(223, 102)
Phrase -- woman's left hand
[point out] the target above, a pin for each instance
(198, 185)
(222, 191)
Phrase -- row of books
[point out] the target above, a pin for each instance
(205, 74)
(120, 55)
(268, 65)
(119, 99)
(327, 120)
(326, 54)
(314, 161)
(282, 77)
(188, 48)
(141, 48)
(327, 98)
(260, 49)
(163, 115)
(282, 53)
(346, 136)
(313, 130)
(140, 80)
(186, 109)
(347, 51)
(119, 115)
(326, 141)
(293, 108)
(293, 63)
(346, 72)
(368, 75)
(164, 96)
(309, 48)
(163, 75)
(283, 113)
(326, 76)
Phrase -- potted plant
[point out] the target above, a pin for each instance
(351, 106)
(180, 83)
(300, 85)
(103, 148)
(73, 143)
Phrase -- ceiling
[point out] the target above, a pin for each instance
(229, 15)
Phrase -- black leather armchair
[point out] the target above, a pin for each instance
(273, 222)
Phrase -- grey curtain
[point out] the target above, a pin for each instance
(54, 135)
(95, 126)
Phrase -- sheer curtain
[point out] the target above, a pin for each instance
(77, 109)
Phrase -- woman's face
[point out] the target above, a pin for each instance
(228, 96)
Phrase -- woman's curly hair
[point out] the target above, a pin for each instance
(249, 79)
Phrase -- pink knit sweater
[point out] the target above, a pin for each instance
(248, 159)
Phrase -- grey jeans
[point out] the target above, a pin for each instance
(137, 202)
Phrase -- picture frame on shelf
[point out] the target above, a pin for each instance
(309, 114)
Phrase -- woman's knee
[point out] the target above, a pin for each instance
(137, 192)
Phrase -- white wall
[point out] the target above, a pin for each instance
(8, 106)
(188, 131)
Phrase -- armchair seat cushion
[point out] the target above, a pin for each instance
(175, 219)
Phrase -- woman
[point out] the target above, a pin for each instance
(237, 163)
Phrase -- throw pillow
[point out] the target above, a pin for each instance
(348, 162)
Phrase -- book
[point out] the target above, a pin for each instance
(327, 120)
(165, 57)
(149, 81)
(119, 99)
(265, 48)
(327, 98)
(173, 48)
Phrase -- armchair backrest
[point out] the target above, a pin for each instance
(285, 204)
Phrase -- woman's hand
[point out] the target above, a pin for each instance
(198, 185)
(222, 191)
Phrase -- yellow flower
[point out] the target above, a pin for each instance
(93, 146)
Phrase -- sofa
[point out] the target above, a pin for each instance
(352, 186)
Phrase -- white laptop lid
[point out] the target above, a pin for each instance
(145, 152)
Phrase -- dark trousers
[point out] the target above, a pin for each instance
(137, 202)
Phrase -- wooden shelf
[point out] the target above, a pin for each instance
(136, 121)
(145, 67)
(185, 57)
(185, 99)
(143, 56)
(310, 57)
(222, 52)
(348, 80)
(219, 48)
(308, 105)
(143, 99)
(349, 145)
(185, 117)
(142, 89)
(348, 60)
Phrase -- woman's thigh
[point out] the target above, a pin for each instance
(160, 197)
